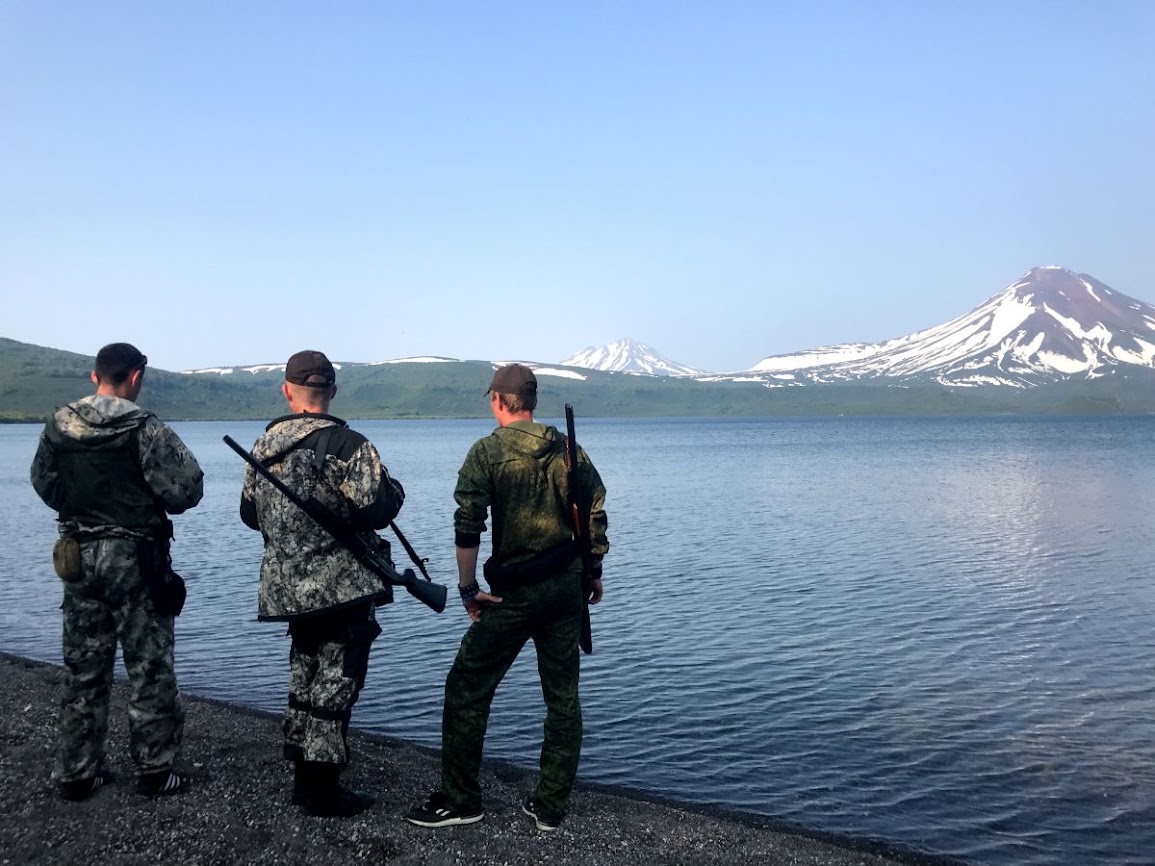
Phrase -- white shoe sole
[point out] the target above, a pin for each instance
(541, 825)
(445, 822)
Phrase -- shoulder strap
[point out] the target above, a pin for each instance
(319, 452)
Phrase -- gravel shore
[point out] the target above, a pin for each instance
(238, 810)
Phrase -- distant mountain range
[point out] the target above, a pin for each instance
(1050, 325)
(1052, 342)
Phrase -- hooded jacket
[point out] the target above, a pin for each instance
(518, 473)
(304, 570)
(112, 469)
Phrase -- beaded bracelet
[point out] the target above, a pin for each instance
(469, 591)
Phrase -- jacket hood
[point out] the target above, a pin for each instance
(529, 437)
(284, 433)
(97, 418)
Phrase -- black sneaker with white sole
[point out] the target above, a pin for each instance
(546, 823)
(437, 812)
(163, 783)
(82, 789)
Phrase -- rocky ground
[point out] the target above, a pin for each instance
(238, 810)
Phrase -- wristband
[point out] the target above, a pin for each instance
(469, 591)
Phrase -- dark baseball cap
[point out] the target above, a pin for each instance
(311, 369)
(513, 379)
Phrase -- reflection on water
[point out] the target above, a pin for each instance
(934, 632)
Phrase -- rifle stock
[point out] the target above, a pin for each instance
(580, 518)
(364, 544)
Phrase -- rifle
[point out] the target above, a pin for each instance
(363, 544)
(579, 513)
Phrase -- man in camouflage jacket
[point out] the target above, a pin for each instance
(311, 581)
(517, 475)
(112, 471)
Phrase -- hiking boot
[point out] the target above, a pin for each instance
(162, 783)
(545, 822)
(437, 812)
(82, 789)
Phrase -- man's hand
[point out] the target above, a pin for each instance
(473, 604)
(596, 592)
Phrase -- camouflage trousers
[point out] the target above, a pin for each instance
(109, 603)
(549, 614)
(328, 662)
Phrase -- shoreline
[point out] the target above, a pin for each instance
(238, 809)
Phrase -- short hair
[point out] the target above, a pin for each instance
(523, 402)
(117, 361)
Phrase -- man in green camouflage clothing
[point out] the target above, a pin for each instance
(112, 471)
(311, 581)
(518, 475)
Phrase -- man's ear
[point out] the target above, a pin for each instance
(135, 377)
(332, 391)
(95, 379)
(286, 393)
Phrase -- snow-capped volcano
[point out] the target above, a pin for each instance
(628, 356)
(1051, 324)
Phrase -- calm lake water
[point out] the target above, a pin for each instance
(932, 632)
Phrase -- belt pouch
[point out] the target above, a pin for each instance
(66, 559)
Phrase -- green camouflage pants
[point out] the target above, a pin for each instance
(109, 604)
(327, 666)
(549, 614)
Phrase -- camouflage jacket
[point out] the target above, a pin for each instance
(304, 570)
(169, 470)
(518, 473)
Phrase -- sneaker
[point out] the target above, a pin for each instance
(162, 783)
(546, 824)
(82, 789)
(436, 812)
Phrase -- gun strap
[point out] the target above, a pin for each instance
(320, 450)
(417, 560)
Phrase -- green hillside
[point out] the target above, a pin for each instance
(34, 380)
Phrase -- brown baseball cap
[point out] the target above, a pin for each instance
(311, 369)
(513, 379)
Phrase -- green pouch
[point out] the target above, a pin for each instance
(66, 559)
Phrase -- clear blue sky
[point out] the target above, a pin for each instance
(227, 182)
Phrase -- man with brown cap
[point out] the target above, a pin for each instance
(517, 475)
(312, 582)
(114, 472)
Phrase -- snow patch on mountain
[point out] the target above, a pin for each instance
(252, 369)
(422, 359)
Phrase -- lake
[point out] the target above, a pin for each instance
(935, 633)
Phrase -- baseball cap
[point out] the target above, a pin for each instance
(513, 379)
(311, 369)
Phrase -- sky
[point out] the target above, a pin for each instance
(225, 183)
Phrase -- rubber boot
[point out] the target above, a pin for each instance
(300, 782)
(325, 797)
